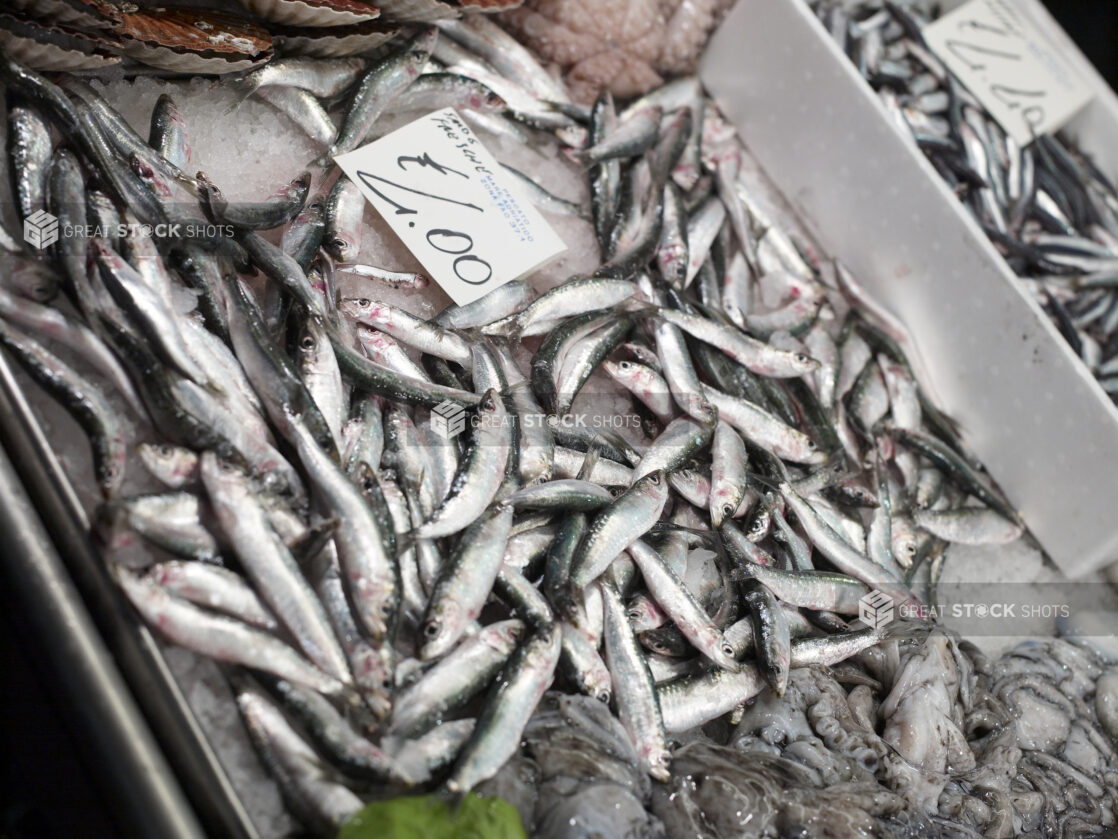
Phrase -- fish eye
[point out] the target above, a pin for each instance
(386, 608)
(728, 650)
(340, 244)
(910, 550)
(654, 479)
(634, 615)
(432, 628)
(603, 695)
(728, 510)
(811, 445)
(307, 343)
(624, 365)
(802, 359)
(165, 449)
(363, 302)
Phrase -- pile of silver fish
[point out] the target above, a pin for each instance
(393, 598)
(1046, 207)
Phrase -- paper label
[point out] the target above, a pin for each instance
(997, 51)
(453, 205)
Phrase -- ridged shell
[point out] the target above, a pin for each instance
(417, 10)
(334, 41)
(87, 14)
(313, 12)
(194, 40)
(489, 5)
(42, 46)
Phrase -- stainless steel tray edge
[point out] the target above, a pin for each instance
(174, 776)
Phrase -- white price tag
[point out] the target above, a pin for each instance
(453, 205)
(997, 51)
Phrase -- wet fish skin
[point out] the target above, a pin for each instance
(219, 637)
(638, 705)
(270, 566)
(515, 694)
(378, 88)
(82, 399)
(617, 526)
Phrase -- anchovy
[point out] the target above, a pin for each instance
(413, 331)
(691, 702)
(679, 604)
(617, 526)
(464, 582)
(270, 566)
(638, 706)
(370, 575)
(515, 694)
(167, 134)
(83, 400)
(220, 637)
(480, 475)
(378, 88)
(214, 587)
(455, 679)
(319, 800)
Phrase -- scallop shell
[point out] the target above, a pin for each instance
(489, 5)
(417, 10)
(332, 41)
(87, 14)
(42, 46)
(194, 40)
(313, 12)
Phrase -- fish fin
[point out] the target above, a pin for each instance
(405, 542)
(309, 547)
(242, 89)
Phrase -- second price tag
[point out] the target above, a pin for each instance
(1003, 58)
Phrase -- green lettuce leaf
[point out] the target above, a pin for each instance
(429, 817)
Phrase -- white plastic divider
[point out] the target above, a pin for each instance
(1028, 408)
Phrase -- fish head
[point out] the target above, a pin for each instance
(504, 634)
(363, 307)
(804, 363)
(657, 761)
(723, 507)
(110, 470)
(442, 627)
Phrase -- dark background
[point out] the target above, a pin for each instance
(45, 793)
(1093, 24)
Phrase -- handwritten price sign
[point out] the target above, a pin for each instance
(453, 205)
(997, 51)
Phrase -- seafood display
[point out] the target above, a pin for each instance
(80, 35)
(1046, 207)
(420, 570)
